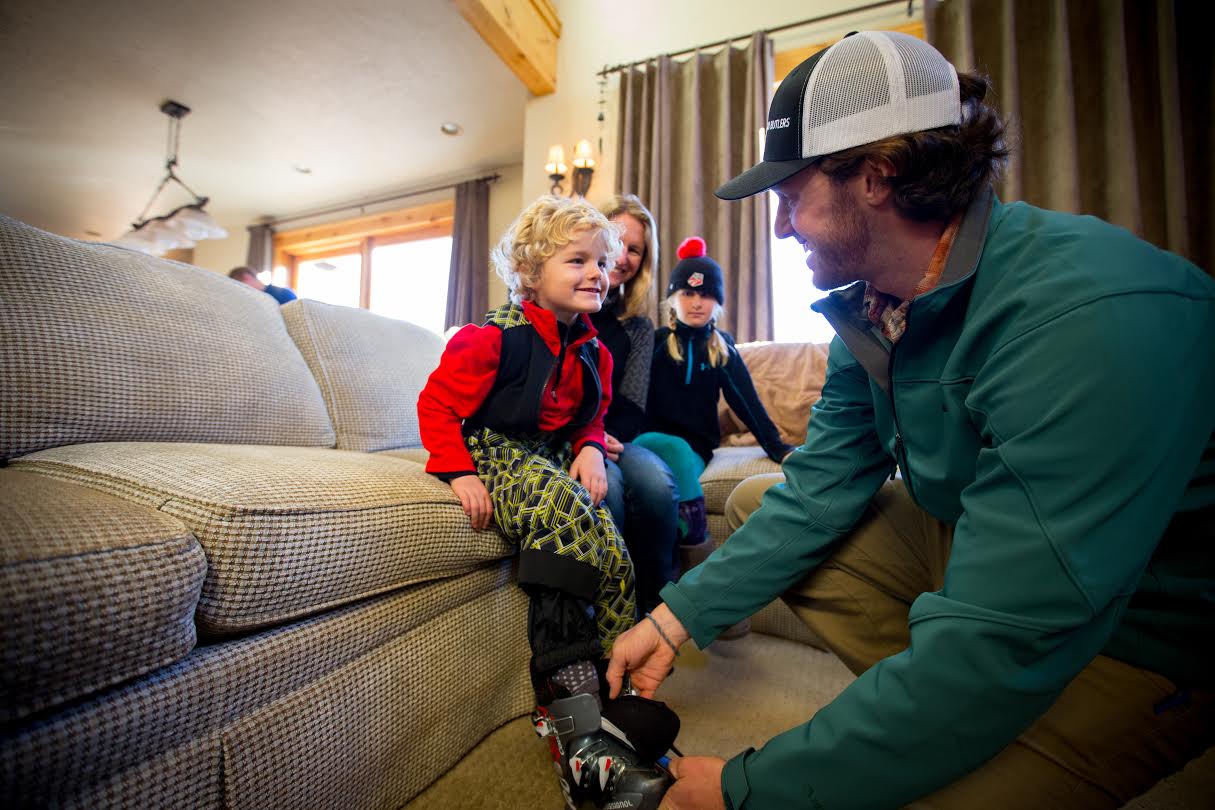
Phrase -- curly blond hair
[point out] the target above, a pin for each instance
(547, 225)
(636, 300)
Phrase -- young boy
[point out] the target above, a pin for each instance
(513, 404)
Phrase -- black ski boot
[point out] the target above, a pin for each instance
(614, 757)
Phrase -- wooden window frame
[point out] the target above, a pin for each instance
(785, 61)
(362, 235)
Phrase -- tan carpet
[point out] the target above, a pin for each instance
(734, 695)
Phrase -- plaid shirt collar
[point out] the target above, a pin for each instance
(888, 312)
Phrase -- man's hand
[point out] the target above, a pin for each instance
(697, 784)
(474, 497)
(644, 655)
(589, 471)
(612, 446)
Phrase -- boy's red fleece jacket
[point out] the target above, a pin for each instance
(466, 373)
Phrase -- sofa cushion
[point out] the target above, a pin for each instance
(94, 590)
(418, 455)
(141, 744)
(370, 370)
(729, 466)
(288, 531)
(789, 379)
(102, 343)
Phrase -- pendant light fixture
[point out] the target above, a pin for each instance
(184, 225)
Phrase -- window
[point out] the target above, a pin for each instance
(793, 290)
(395, 264)
(409, 281)
(334, 280)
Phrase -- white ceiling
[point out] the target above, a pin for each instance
(353, 89)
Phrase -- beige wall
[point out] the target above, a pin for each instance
(599, 34)
(221, 255)
(505, 202)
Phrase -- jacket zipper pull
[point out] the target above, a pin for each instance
(898, 455)
(560, 363)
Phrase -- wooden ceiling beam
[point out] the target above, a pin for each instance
(524, 34)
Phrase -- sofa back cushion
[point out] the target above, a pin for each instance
(102, 343)
(370, 369)
(789, 380)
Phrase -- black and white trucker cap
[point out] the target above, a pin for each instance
(868, 86)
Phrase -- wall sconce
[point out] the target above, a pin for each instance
(584, 168)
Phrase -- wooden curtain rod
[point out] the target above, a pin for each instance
(403, 195)
(778, 29)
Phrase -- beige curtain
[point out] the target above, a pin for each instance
(685, 127)
(260, 256)
(1110, 105)
(468, 275)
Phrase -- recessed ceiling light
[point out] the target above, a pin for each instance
(451, 128)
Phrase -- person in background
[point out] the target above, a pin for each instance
(1029, 606)
(642, 496)
(694, 363)
(245, 275)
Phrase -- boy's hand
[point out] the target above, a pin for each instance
(588, 470)
(612, 446)
(474, 497)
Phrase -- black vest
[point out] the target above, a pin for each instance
(525, 367)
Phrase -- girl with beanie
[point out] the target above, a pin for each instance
(694, 363)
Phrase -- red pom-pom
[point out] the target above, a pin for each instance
(692, 246)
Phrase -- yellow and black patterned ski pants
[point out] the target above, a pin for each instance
(539, 506)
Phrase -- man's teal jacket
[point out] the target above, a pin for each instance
(1053, 398)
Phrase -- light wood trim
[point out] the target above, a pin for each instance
(352, 231)
(361, 236)
(432, 232)
(549, 13)
(365, 274)
(318, 255)
(523, 33)
(785, 61)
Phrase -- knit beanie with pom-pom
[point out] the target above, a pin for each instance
(697, 272)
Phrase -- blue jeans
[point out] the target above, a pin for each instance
(644, 502)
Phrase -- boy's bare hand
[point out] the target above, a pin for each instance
(589, 471)
(474, 497)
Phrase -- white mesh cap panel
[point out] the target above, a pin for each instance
(851, 79)
(924, 72)
(872, 85)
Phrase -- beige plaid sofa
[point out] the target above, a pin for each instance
(225, 578)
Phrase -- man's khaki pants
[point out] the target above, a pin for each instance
(1114, 731)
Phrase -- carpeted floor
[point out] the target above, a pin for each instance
(734, 695)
